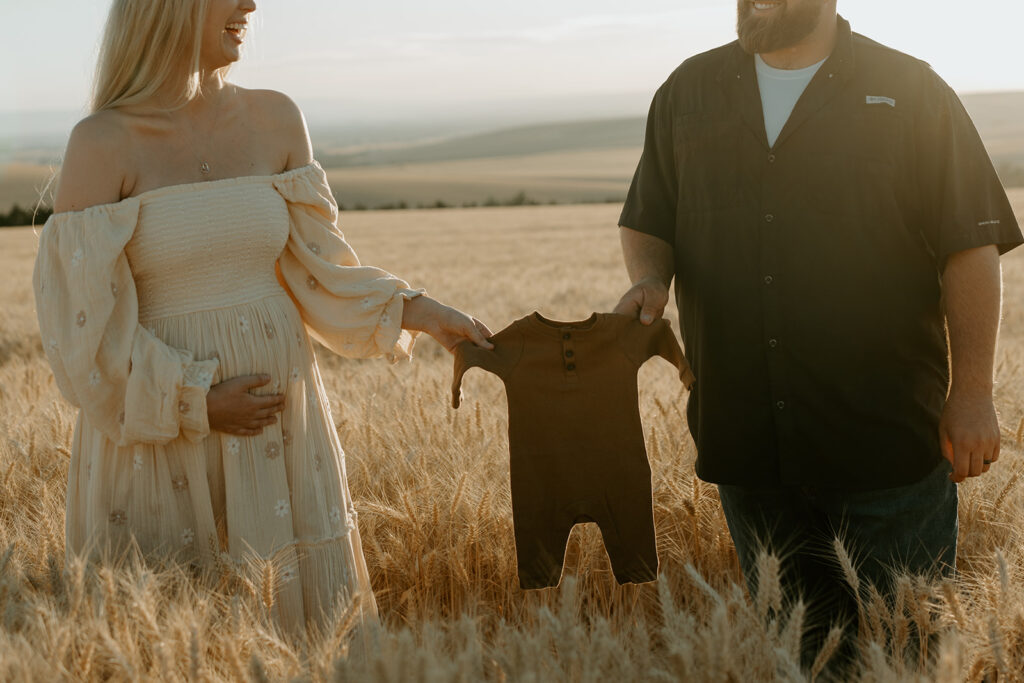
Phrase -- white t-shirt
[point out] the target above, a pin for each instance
(780, 91)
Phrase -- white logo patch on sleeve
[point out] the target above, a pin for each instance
(880, 99)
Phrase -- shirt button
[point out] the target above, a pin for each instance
(771, 158)
(769, 218)
(566, 336)
(773, 343)
(570, 367)
(569, 353)
(781, 405)
(768, 279)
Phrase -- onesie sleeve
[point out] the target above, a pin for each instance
(130, 385)
(352, 309)
(642, 342)
(501, 361)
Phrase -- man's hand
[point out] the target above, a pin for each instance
(972, 297)
(646, 299)
(969, 435)
(231, 409)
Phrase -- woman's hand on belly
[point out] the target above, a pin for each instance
(231, 409)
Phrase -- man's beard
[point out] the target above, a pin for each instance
(762, 35)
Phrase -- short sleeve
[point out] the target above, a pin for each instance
(129, 384)
(961, 199)
(642, 342)
(501, 360)
(352, 309)
(653, 195)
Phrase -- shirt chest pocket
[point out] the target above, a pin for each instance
(708, 161)
(854, 163)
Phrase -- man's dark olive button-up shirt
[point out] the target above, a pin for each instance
(808, 274)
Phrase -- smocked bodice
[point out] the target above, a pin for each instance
(205, 246)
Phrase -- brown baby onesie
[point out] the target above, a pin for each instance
(576, 444)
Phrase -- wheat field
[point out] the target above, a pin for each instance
(431, 489)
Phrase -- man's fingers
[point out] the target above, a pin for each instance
(956, 457)
(947, 448)
(991, 457)
(977, 462)
(649, 314)
(630, 304)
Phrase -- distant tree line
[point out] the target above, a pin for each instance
(18, 216)
(521, 199)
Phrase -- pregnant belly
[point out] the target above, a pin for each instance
(261, 337)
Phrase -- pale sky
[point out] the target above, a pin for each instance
(406, 58)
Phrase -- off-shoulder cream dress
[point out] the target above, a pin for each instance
(143, 304)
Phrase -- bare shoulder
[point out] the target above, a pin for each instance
(279, 116)
(95, 163)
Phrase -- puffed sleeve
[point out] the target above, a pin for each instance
(352, 309)
(129, 384)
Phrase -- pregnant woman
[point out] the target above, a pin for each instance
(193, 253)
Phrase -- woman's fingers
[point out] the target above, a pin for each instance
(273, 403)
(251, 382)
(484, 330)
(478, 333)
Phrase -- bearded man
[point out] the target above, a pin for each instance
(827, 210)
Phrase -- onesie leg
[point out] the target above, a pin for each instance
(540, 551)
(627, 525)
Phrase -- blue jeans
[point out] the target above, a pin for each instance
(911, 528)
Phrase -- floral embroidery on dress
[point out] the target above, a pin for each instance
(335, 515)
(243, 324)
(180, 484)
(286, 437)
(314, 247)
(318, 461)
(76, 258)
(118, 517)
(288, 574)
(295, 375)
(187, 536)
(197, 376)
(312, 283)
(95, 378)
(137, 461)
(80, 319)
(282, 509)
(234, 447)
(366, 303)
(273, 450)
(268, 329)
(184, 407)
(385, 318)
(114, 289)
(53, 344)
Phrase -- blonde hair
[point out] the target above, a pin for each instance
(149, 46)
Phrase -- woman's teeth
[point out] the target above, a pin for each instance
(764, 6)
